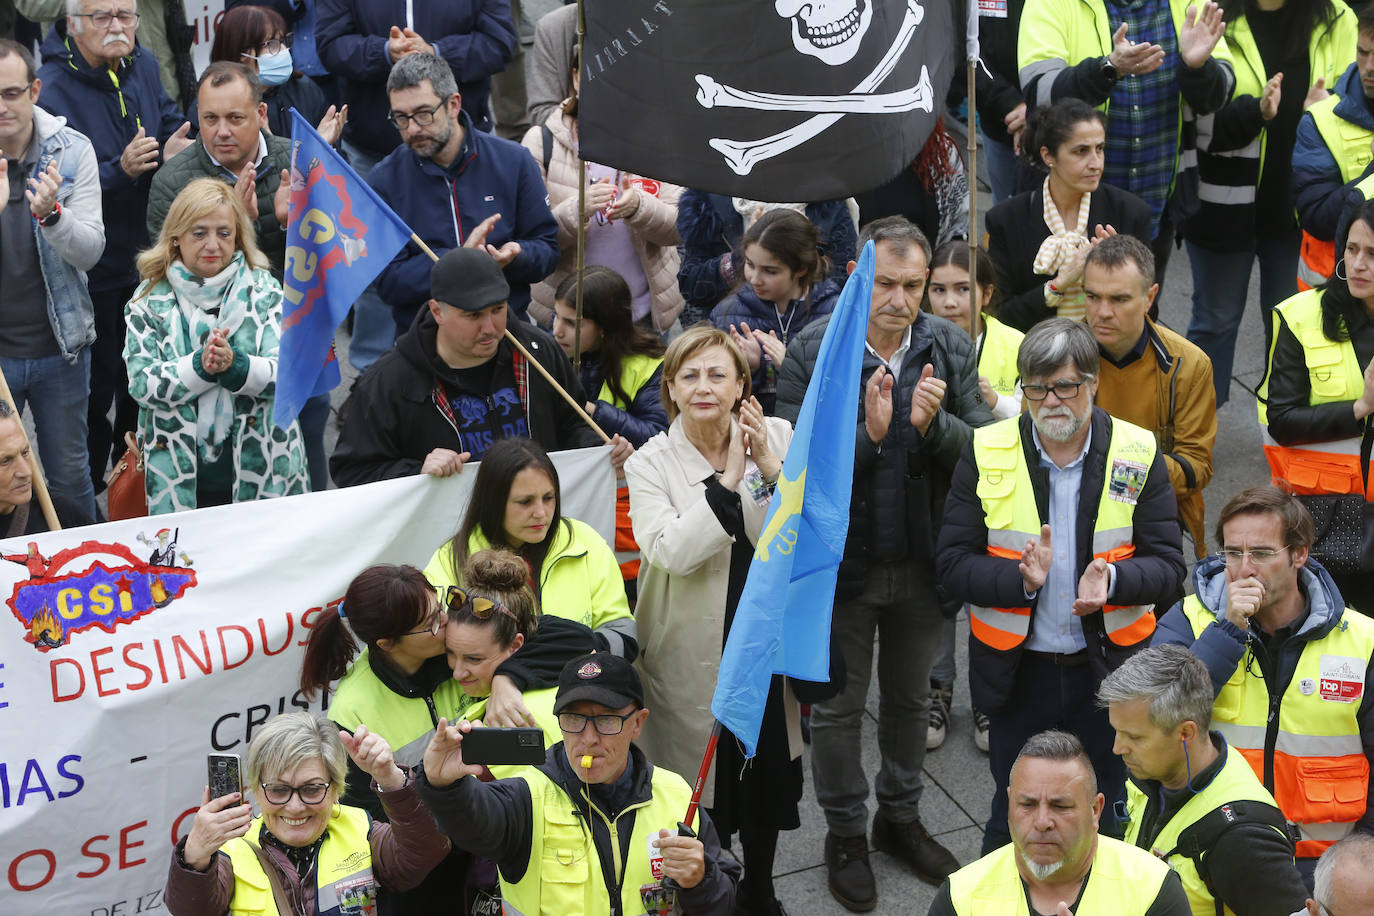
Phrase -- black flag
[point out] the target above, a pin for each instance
(780, 100)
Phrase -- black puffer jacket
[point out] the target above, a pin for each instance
(394, 422)
(900, 483)
(1153, 576)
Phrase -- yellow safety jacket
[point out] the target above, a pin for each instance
(344, 885)
(1124, 881)
(1333, 374)
(1349, 146)
(407, 723)
(1304, 741)
(1012, 518)
(1235, 782)
(635, 372)
(564, 876)
(997, 361)
(540, 703)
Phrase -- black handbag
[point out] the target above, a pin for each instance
(1344, 524)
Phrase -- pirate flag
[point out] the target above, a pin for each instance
(779, 100)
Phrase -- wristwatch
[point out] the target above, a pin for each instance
(1109, 69)
(51, 219)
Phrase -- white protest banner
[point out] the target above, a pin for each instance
(130, 650)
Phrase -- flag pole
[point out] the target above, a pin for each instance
(684, 827)
(972, 52)
(581, 260)
(539, 367)
(40, 487)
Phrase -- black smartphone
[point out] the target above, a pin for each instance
(225, 774)
(504, 746)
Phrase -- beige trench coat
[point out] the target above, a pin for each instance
(682, 583)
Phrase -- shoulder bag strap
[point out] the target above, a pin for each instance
(278, 890)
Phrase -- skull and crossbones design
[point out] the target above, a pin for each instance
(832, 31)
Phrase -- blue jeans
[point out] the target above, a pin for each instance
(312, 419)
(374, 331)
(1221, 284)
(58, 391)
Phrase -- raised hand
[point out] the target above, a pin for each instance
(1202, 29)
(247, 190)
(1315, 94)
(177, 141)
(1035, 561)
(1131, 58)
(42, 191)
(477, 238)
(332, 124)
(281, 200)
(217, 822)
(926, 398)
(1092, 588)
(775, 348)
(734, 459)
(444, 755)
(1270, 97)
(751, 348)
(373, 756)
(878, 405)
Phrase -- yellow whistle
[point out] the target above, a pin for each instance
(586, 761)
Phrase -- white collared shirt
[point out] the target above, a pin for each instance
(257, 163)
(894, 366)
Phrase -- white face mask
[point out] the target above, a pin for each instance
(275, 69)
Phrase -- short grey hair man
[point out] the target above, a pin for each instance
(898, 232)
(1172, 679)
(1055, 341)
(1344, 879)
(414, 69)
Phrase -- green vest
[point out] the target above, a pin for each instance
(564, 877)
(1348, 143)
(997, 362)
(1124, 881)
(1012, 518)
(1315, 764)
(344, 885)
(407, 723)
(635, 372)
(1233, 783)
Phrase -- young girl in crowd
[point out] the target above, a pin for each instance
(1038, 239)
(950, 296)
(785, 289)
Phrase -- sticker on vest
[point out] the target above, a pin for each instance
(657, 899)
(655, 858)
(1342, 678)
(1307, 686)
(993, 9)
(357, 896)
(1128, 479)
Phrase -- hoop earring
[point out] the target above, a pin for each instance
(1337, 271)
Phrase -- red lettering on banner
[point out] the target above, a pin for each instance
(126, 846)
(14, 869)
(52, 668)
(148, 672)
(94, 854)
(97, 671)
(224, 648)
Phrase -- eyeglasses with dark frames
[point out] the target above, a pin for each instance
(101, 19)
(312, 793)
(574, 723)
(422, 118)
(434, 624)
(1064, 390)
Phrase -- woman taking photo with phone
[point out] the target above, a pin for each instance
(305, 854)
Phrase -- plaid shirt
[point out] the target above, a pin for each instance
(1142, 117)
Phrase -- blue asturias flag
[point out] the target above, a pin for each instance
(782, 624)
(340, 236)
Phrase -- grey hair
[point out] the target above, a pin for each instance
(413, 69)
(291, 739)
(1174, 680)
(1060, 746)
(898, 232)
(74, 9)
(1360, 846)
(1117, 251)
(6, 409)
(1053, 342)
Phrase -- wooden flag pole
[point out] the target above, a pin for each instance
(539, 367)
(40, 487)
(975, 295)
(581, 259)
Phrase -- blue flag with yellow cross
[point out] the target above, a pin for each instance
(782, 624)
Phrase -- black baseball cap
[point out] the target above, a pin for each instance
(468, 279)
(599, 677)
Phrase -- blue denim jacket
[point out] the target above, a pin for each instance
(73, 246)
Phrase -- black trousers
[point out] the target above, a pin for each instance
(109, 385)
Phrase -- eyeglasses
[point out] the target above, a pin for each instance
(456, 599)
(574, 723)
(312, 793)
(434, 624)
(422, 118)
(14, 93)
(101, 19)
(275, 45)
(1234, 557)
(1065, 391)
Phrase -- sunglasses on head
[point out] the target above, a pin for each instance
(457, 599)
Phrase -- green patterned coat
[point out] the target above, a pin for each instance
(162, 379)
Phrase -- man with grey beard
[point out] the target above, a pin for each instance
(1061, 532)
(1056, 863)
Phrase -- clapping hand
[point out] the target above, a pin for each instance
(217, 356)
(42, 191)
(1092, 588)
(1035, 561)
(751, 348)
(926, 398)
(1202, 29)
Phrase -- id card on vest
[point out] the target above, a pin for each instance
(1342, 678)
(657, 899)
(1127, 480)
(356, 895)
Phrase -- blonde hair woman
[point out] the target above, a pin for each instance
(202, 357)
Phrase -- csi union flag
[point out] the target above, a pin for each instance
(340, 236)
(782, 623)
(781, 100)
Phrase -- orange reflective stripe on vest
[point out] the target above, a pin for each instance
(1316, 262)
(626, 548)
